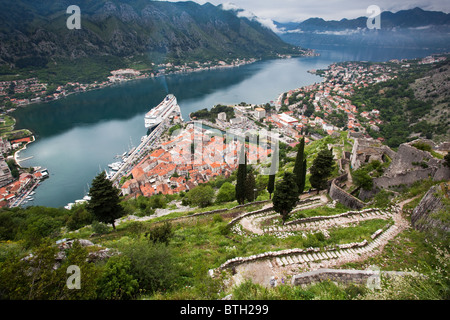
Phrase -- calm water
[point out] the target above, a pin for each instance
(79, 135)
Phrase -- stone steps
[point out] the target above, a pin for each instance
(328, 222)
(335, 254)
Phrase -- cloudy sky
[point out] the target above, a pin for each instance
(299, 10)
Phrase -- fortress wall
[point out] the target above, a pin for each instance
(345, 198)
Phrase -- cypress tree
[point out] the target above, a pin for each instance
(271, 185)
(298, 167)
(285, 196)
(105, 202)
(241, 176)
(250, 185)
(273, 171)
(321, 169)
(303, 178)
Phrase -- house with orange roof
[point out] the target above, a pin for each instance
(27, 139)
(147, 190)
(10, 196)
(215, 167)
(138, 174)
(157, 153)
(130, 186)
(166, 157)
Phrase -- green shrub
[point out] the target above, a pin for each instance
(116, 282)
(152, 265)
(99, 227)
(161, 233)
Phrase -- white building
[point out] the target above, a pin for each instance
(287, 120)
(260, 113)
(222, 116)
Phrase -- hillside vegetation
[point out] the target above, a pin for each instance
(415, 104)
(168, 256)
(115, 34)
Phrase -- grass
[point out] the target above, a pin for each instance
(200, 243)
(319, 211)
(325, 290)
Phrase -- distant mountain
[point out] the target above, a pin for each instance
(34, 33)
(408, 28)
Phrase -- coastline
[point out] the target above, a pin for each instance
(16, 154)
(105, 84)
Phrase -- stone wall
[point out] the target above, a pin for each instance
(345, 198)
(422, 216)
(366, 150)
(405, 168)
(407, 178)
(346, 276)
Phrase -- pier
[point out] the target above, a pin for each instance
(146, 144)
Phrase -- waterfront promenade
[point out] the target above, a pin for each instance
(146, 145)
(139, 152)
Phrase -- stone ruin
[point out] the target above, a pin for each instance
(366, 150)
(409, 165)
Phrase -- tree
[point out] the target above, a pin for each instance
(105, 201)
(298, 166)
(152, 265)
(362, 179)
(116, 282)
(201, 195)
(226, 193)
(79, 217)
(321, 169)
(271, 185)
(273, 170)
(303, 177)
(250, 186)
(162, 233)
(241, 175)
(285, 196)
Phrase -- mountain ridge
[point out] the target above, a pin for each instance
(161, 31)
(411, 18)
(413, 28)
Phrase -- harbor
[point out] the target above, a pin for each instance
(24, 188)
(157, 121)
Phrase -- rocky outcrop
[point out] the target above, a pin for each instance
(95, 254)
(428, 215)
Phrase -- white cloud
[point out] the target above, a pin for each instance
(266, 11)
(299, 10)
(243, 13)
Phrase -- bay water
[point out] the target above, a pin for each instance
(78, 136)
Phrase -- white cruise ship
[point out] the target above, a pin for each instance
(156, 115)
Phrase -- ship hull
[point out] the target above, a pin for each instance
(157, 115)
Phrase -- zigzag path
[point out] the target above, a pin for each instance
(262, 267)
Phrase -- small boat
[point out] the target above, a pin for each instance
(69, 206)
(115, 165)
